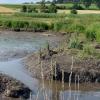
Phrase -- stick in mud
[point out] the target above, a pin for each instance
(69, 97)
(43, 88)
(62, 98)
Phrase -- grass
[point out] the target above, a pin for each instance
(61, 6)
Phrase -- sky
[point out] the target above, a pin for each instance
(17, 1)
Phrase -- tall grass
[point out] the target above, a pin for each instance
(40, 15)
(24, 25)
(93, 32)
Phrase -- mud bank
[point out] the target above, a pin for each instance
(11, 88)
(88, 69)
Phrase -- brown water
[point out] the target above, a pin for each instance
(56, 91)
(15, 46)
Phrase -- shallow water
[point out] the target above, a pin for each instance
(15, 46)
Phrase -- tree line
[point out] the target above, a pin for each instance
(87, 3)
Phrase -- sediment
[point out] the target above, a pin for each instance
(11, 88)
(87, 69)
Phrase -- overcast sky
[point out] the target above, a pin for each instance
(19, 1)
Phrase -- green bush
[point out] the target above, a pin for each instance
(73, 11)
(77, 7)
(52, 8)
(24, 8)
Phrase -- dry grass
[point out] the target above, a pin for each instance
(6, 10)
(81, 11)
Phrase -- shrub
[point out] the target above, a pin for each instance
(77, 7)
(61, 7)
(52, 8)
(73, 11)
(29, 9)
(98, 3)
(24, 8)
(87, 3)
(43, 7)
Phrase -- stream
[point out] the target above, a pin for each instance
(14, 46)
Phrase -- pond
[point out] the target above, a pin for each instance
(14, 46)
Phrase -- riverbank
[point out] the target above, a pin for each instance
(59, 64)
(11, 88)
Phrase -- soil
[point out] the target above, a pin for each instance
(87, 69)
(11, 88)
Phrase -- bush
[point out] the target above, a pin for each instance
(29, 9)
(77, 7)
(52, 8)
(61, 7)
(24, 8)
(73, 11)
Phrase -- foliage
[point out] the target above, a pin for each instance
(93, 32)
(98, 3)
(75, 43)
(24, 8)
(73, 11)
(87, 3)
(43, 7)
(52, 8)
(77, 7)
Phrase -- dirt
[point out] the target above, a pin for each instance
(6, 10)
(87, 69)
(81, 11)
(11, 88)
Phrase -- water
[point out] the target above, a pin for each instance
(15, 46)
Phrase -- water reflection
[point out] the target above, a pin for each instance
(87, 91)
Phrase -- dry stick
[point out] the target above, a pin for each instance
(37, 96)
(30, 96)
(55, 78)
(70, 80)
(78, 87)
(43, 88)
(51, 67)
(62, 84)
(75, 88)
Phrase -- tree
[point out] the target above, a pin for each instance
(54, 1)
(59, 1)
(97, 3)
(43, 6)
(29, 9)
(52, 8)
(24, 8)
(87, 3)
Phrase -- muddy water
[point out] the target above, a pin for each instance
(15, 46)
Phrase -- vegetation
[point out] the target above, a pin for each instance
(73, 11)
